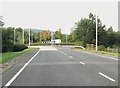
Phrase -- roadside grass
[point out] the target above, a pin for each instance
(7, 56)
(100, 52)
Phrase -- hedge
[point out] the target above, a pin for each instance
(14, 48)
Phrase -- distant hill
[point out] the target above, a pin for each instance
(34, 30)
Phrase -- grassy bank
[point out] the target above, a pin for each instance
(104, 53)
(7, 56)
(100, 52)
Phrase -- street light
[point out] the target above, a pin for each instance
(40, 36)
(14, 35)
(66, 38)
(96, 34)
(29, 37)
(23, 36)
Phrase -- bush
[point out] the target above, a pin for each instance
(7, 47)
(101, 47)
(115, 46)
(18, 47)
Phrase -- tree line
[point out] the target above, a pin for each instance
(84, 33)
(12, 38)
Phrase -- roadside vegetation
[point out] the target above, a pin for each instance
(7, 56)
(82, 34)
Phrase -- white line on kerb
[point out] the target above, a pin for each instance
(18, 73)
(70, 56)
(106, 77)
(82, 63)
(101, 55)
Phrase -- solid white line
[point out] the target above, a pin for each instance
(106, 77)
(82, 63)
(70, 56)
(18, 73)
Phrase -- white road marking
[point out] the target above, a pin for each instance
(82, 63)
(62, 52)
(70, 56)
(107, 77)
(59, 50)
(47, 48)
(18, 73)
(101, 55)
(65, 54)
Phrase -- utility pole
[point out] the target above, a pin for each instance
(66, 38)
(52, 39)
(23, 36)
(40, 36)
(29, 37)
(96, 34)
(14, 35)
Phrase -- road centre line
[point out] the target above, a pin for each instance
(18, 73)
(62, 52)
(82, 63)
(70, 56)
(65, 54)
(106, 77)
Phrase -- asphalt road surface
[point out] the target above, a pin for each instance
(62, 66)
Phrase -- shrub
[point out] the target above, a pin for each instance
(101, 47)
(18, 47)
(7, 47)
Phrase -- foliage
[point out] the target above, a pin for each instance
(18, 47)
(101, 47)
(8, 41)
(58, 34)
(46, 35)
(85, 32)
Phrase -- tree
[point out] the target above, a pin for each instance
(58, 34)
(63, 38)
(85, 31)
(46, 35)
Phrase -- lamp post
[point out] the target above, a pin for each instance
(40, 36)
(23, 36)
(14, 35)
(29, 37)
(66, 38)
(96, 34)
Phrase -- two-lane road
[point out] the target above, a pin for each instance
(62, 66)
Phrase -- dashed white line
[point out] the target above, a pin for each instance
(111, 79)
(82, 63)
(70, 56)
(18, 73)
(65, 54)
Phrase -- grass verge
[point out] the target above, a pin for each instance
(7, 56)
(101, 52)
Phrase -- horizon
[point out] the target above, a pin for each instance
(54, 15)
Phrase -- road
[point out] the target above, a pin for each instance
(62, 66)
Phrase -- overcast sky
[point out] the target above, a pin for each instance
(55, 15)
